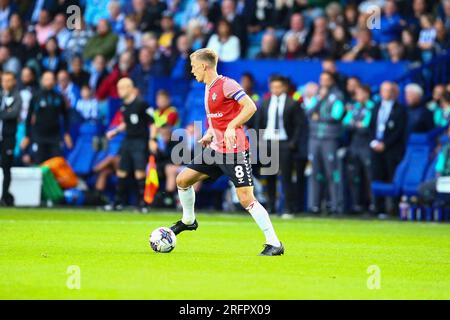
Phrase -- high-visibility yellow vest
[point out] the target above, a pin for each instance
(161, 117)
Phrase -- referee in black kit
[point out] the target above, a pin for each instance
(134, 149)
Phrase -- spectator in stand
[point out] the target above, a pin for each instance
(62, 34)
(445, 15)
(225, 43)
(180, 61)
(95, 11)
(395, 51)
(297, 29)
(350, 23)
(259, 14)
(199, 12)
(44, 28)
(8, 62)
(98, 72)
(442, 41)
(334, 15)
(319, 26)
(87, 105)
(6, 9)
(16, 26)
(412, 52)
(67, 88)
(116, 17)
(78, 40)
(104, 42)
(195, 34)
(150, 41)
(238, 23)
(390, 25)
(340, 43)
(148, 14)
(293, 48)
(269, 47)
(427, 37)
(108, 87)
(419, 8)
(165, 114)
(32, 52)
(53, 60)
(317, 48)
(167, 34)
(36, 9)
(364, 48)
(78, 75)
(7, 40)
(131, 39)
(144, 70)
(420, 119)
(388, 130)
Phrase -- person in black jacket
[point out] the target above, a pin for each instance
(387, 127)
(420, 119)
(9, 114)
(301, 160)
(43, 121)
(281, 117)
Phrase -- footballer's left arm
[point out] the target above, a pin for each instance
(248, 110)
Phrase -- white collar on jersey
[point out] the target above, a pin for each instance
(214, 81)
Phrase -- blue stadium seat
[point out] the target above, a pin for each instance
(392, 189)
(410, 172)
(82, 156)
(421, 147)
(178, 89)
(194, 108)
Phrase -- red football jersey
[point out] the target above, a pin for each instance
(222, 105)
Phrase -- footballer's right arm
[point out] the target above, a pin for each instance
(207, 138)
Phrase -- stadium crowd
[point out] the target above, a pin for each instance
(76, 70)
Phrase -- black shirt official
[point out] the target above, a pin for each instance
(10, 105)
(134, 150)
(137, 119)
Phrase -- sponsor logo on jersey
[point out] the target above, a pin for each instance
(215, 115)
(214, 96)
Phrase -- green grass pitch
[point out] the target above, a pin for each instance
(325, 258)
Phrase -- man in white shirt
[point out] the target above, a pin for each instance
(388, 129)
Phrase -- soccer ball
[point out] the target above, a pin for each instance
(163, 240)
